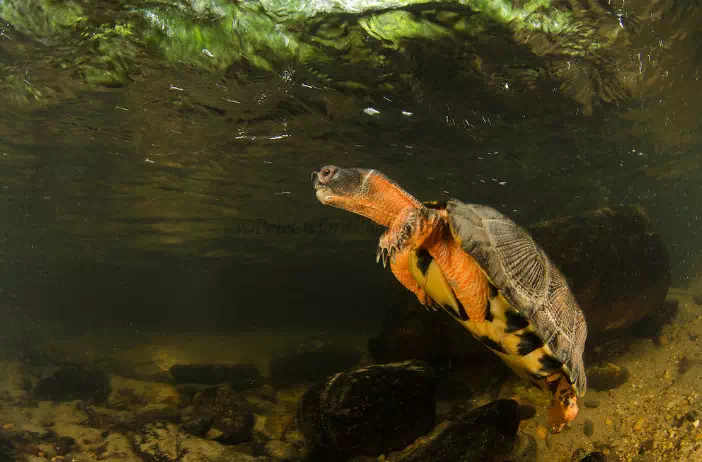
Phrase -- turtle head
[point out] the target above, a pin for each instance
(365, 192)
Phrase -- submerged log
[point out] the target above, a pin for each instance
(617, 268)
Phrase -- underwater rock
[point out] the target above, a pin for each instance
(594, 457)
(238, 375)
(130, 393)
(156, 413)
(427, 336)
(651, 325)
(313, 361)
(14, 383)
(369, 410)
(591, 403)
(526, 449)
(616, 266)
(163, 442)
(589, 427)
(198, 426)
(231, 422)
(606, 376)
(487, 433)
(281, 450)
(74, 382)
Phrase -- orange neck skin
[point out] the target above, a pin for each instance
(378, 199)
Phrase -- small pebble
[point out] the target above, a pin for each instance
(647, 445)
(639, 424)
(592, 403)
(595, 457)
(589, 427)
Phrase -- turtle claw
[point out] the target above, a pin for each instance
(382, 254)
(387, 255)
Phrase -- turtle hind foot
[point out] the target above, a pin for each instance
(564, 406)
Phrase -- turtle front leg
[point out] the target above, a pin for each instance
(393, 247)
(395, 239)
(564, 405)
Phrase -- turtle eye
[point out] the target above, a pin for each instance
(327, 173)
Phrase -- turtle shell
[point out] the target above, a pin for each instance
(526, 278)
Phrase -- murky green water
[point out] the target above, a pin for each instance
(155, 160)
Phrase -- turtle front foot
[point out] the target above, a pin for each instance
(564, 406)
(386, 253)
(390, 244)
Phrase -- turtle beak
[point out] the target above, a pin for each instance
(315, 179)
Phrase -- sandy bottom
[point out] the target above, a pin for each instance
(655, 415)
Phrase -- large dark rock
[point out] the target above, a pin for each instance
(312, 361)
(416, 333)
(238, 375)
(487, 433)
(220, 414)
(74, 382)
(369, 411)
(617, 267)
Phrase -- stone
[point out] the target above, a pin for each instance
(277, 424)
(591, 403)
(131, 393)
(651, 325)
(164, 442)
(487, 433)
(239, 376)
(526, 449)
(417, 333)
(312, 361)
(606, 376)
(198, 426)
(231, 421)
(646, 445)
(73, 382)
(617, 267)
(594, 457)
(157, 412)
(589, 427)
(280, 450)
(369, 410)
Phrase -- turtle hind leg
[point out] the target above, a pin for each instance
(564, 405)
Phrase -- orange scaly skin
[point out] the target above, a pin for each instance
(383, 202)
(400, 269)
(411, 226)
(461, 271)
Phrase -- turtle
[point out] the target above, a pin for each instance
(483, 269)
